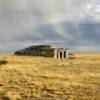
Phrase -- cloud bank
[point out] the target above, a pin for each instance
(71, 24)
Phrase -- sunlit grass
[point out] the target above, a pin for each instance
(26, 76)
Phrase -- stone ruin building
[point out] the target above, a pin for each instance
(45, 51)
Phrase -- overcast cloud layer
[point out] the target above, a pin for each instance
(73, 24)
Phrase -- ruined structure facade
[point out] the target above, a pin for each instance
(44, 50)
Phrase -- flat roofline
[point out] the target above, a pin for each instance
(62, 48)
(53, 48)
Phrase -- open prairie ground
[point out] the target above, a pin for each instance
(40, 78)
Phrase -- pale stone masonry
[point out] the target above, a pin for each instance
(44, 50)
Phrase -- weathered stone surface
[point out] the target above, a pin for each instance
(44, 50)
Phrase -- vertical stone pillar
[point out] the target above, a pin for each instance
(55, 54)
(62, 54)
(58, 55)
(67, 51)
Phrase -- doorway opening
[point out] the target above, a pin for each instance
(61, 55)
(64, 54)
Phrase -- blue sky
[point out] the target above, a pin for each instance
(73, 24)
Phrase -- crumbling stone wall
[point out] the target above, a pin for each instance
(61, 53)
(44, 50)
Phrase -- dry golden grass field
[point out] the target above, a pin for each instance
(40, 78)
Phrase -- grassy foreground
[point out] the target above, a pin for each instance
(40, 78)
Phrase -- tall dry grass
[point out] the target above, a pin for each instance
(29, 78)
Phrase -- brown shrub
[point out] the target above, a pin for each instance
(3, 62)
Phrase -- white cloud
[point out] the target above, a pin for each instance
(20, 21)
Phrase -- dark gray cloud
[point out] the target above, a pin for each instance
(68, 23)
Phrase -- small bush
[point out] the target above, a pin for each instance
(3, 62)
(71, 56)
